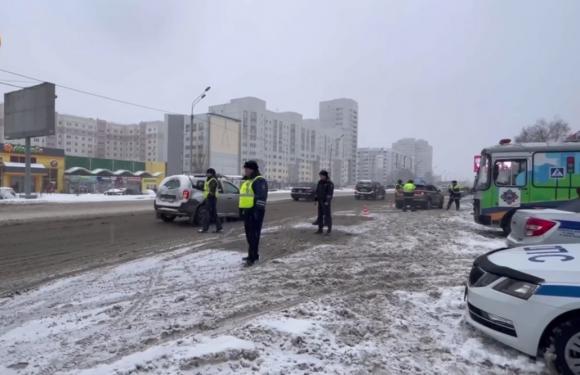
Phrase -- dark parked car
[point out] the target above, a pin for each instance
(304, 190)
(369, 190)
(426, 196)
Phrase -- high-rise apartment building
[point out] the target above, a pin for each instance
(421, 151)
(96, 138)
(289, 148)
(383, 165)
(342, 115)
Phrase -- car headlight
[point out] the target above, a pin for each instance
(516, 288)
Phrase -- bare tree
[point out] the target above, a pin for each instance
(544, 131)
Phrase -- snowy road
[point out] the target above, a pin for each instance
(69, 206)
(382, 295)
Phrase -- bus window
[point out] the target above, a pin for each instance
(510, 172)
(482, 178)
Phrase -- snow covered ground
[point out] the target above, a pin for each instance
(81, 198)
(382, 295)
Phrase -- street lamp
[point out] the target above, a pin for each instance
(193, 103)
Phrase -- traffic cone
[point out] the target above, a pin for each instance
(365, 211)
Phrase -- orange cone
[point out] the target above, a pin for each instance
(365, 211)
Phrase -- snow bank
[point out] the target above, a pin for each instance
(82, 198)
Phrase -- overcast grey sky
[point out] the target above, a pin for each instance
(461, 74)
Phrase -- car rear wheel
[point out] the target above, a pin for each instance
(428, 205)
(295, 198)
(565, 345)
(441, 203)
(167, 218)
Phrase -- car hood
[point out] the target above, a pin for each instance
(552, 263)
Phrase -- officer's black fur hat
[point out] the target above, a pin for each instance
(251, 164)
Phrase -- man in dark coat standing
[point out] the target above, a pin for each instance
(253, 197)
(324, 194)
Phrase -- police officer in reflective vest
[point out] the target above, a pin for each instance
(454, 195)
(253, 197)
(210, 194)
(408, 193)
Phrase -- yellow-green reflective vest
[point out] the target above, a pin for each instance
(247, 193)
(409, 187)
(206, 187)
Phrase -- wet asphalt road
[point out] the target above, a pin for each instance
(64, 240)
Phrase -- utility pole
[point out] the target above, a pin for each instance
(195, 101)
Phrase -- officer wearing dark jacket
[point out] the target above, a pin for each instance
(210, 193)
(253, 197)
(324, 194)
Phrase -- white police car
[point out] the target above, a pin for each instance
(529, 298)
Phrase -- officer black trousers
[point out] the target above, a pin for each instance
(408, 201)
(324, 216)
(253, 220)
(451, 200)
(211, 204)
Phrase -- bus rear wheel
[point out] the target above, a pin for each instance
(506, 223)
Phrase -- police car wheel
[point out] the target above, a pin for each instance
(565, 340)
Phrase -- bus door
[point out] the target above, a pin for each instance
(510, 181)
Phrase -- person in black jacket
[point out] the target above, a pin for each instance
(253, 197)
(324, 193)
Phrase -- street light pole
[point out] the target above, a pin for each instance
(195, 101)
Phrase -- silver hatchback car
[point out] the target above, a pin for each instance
(182, 196)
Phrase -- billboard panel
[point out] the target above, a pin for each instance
(224, 145)
(30, 112)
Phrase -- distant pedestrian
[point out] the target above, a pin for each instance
(253, 197)
(324, 194)
(454, 195)
(210, 195)
(409, 195)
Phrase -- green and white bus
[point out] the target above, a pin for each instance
(527, 175)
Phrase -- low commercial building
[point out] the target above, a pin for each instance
(47, 167)
(94, 175)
